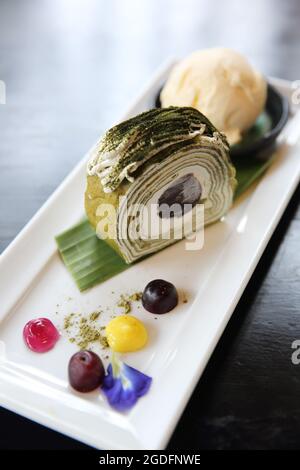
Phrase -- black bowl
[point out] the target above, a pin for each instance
(259, 142)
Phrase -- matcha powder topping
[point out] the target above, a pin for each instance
(84, 331)
(125, 302)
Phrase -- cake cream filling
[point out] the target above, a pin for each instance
(140, 230)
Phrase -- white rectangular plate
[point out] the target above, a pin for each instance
(34, 283)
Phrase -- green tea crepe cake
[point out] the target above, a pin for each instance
(152, 174)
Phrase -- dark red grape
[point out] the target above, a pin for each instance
(159, 296)
(86, 371)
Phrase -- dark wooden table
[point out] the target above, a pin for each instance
(70, 69)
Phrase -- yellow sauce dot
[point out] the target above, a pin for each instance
(126, 333)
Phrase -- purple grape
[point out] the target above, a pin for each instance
(86, 371)
(159, 296)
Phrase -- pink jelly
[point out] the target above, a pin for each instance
(40, 335)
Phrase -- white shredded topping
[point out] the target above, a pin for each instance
(103, 164)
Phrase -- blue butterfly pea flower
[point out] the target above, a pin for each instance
(123, 385)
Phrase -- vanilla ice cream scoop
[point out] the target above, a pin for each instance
(221, 84)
